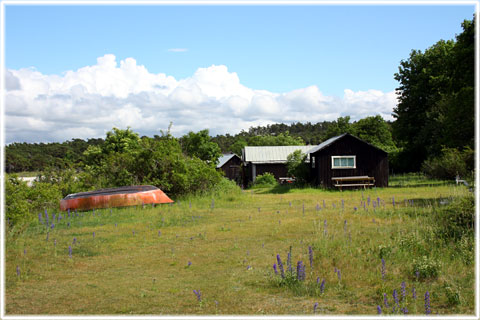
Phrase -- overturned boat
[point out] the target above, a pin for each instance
(114, 197)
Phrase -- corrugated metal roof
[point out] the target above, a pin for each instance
(224, 159)
(271, 154)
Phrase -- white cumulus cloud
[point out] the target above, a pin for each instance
(87, 102)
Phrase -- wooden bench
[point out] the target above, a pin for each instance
(357, 181)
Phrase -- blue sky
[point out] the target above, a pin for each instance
(278, 49)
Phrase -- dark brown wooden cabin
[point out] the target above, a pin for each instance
(347, 156)
(230, 164)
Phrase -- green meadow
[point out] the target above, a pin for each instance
(149, 260)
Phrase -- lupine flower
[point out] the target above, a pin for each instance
(315, 307)
(379, 310)
(275, 268)
(53, 217)
(385, 300)
(318, 280)
(404, 310)
(18, 271)
(383, 269)
(355, 208)
(378, 201)
(317, 207)
(24, 252)
(133, 231)
(74, 240)
(395, 298)
(59, 217)
(300, 271)
(280, 265)
(335, 270)
(289, 260)
(198, 294)
(345, 226)
(68, 224)
(368, 200)
(189, 263)
(310, 256)
(94, 234)
(322, 286)
(46, 217)
(325, 227)
(52, 226)
(39, 217)
(290, 203)
(417, 274)
(404, 291)
(249, 267)
(343, 204)
(339, 275)
(427, 303)
(70, 251)
(414, 293)
(159, 233)
(54, 242)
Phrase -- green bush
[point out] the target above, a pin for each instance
(449, 164)
(457, 219)
(297, 167)
(425, 268)
(23, 203)
(266, 179)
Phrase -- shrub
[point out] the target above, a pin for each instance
(266, 179)
(457, 219)
(449, 164)
(296, 166)
(425, 268)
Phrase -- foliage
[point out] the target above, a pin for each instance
(126, 159)
(266, 179)
(456, 220)
(376, 131)
(436, 99)
(450, 163)
(297, 167)
(425, 268)
(23, 203)
(200, 145)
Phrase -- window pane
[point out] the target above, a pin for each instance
(336, 162)
(350, 162)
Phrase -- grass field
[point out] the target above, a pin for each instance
(150, 260)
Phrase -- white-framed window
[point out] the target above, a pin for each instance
(344, 162)
(313, 162)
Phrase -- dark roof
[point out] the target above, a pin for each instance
(225, 158)
(328, 142)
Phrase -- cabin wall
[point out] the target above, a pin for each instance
(279, 170)
(233, 170)
(369, 162)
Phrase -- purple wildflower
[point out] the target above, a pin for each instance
(24, 252)
(343, 204)
(385, 300)
(310, 256)
(280, 265)
(325, 227)
(345, 226)
(275, 268)
(53, 217)
(159, 233)
(70, 251)
(417, 274)
(395, 298)
(315, 307)
(393, 202)
(404, 310)
(74, 240)
(368, 200)
(133, 232)
(300, 271)
(54, 242)
(427, 303)
(290, 203)
(383, 269)
(18, 271)
(414, 293)
(39, 217)
(339, 275)
(378, 201)
(198, 294)
(189, 263)
(93, 234)
(52, 226)
(355, 208)
(289, 261)
(404, 291)
(379, 310)
(249, 267)
(68, 224)
(317, 207)
(322, 286)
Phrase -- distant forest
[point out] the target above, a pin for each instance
(20, 157)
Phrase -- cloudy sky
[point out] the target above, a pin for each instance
(76, 71)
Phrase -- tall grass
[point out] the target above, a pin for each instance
(149, 260)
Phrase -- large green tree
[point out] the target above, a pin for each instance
(436, 99)
(200, 145)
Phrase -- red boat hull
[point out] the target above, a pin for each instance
(115, 197)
